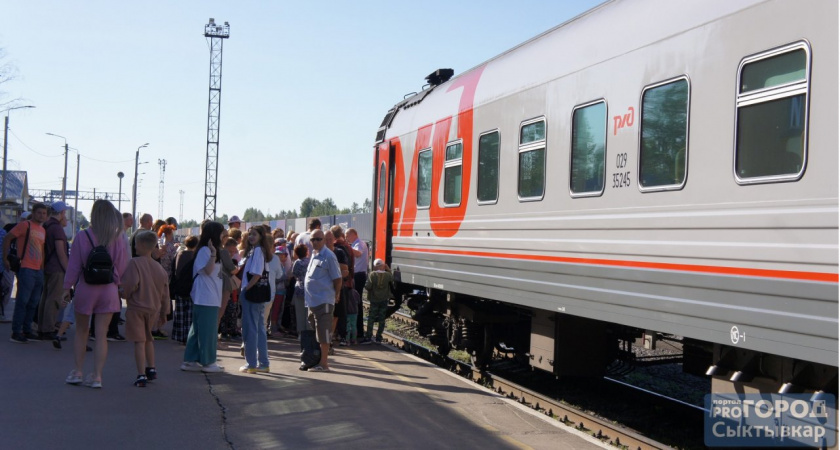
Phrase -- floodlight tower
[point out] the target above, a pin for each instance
(181, 210)
(216, 34)
(162, 164)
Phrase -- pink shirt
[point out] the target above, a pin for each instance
(102, 294)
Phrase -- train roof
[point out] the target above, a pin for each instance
(609, 30)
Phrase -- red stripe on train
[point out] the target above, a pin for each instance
(743, 271)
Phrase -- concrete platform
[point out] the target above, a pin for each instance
(375, 397)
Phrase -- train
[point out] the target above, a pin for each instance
(648, 170)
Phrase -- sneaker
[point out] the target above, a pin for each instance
(366, 341)
(57, 343)
(151, 374)
(212, 368)
(190, 366)
(32, 336)
(318, 368)
(159, 335)
(73, 377)
(19, 338)
(4, 319)
(247, 369)
(302, 367)
(90, 382)
(379, 340)
(116, 338)
(92, 338)
(342, 343)
(140, 381)
(262, 369)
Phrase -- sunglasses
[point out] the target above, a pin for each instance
(316, 239)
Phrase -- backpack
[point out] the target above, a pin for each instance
(99, 268)
(181, 280)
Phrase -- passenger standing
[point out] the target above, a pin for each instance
(228, 268)
(298, 299)
(227, 324)
(322, 289)
(7, 279)
(258, 255)
(145, 286)
(303, 238)
(360, 269)
(379, 292)
(200, 354)
(348, 280)
(56, 252)
(106, 229)
(30, 237)
(235, 223)
(182, 316)
(276, 315)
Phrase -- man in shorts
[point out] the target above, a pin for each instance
(322, 288)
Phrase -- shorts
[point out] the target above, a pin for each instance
(320, 319)
(138, 325)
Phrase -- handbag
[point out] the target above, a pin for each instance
(12, 257)
(260, 292)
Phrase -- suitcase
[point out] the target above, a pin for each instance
(310, 354)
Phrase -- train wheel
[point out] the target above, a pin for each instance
(482, 356)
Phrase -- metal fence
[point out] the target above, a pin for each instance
(362, 223)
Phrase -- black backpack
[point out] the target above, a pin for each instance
(181, 280)
(100, 267)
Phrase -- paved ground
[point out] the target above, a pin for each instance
(374, 398)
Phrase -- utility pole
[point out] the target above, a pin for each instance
(162, 164)
(134, 191)
(63, 180)
(181, 210)
(76, 204)
(217, 35)
(6, 148)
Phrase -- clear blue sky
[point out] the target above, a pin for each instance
(305, 86)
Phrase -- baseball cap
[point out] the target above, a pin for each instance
(25, 215)
(378, 262)
(58, 206)
(234, 219)
(280, 250)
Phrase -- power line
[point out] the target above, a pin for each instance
(32, 150)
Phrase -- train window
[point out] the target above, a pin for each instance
(452, 174)
(488, 168)
(532, 160)
(381, 199)
(771, 115)
(663, 146)
(424, 178)
(589, 143)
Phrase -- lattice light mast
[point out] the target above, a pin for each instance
(216, 34)
(162, 164)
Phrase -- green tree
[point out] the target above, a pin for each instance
(253, 215)
(188, 224)
(367, 206)
(309, 206)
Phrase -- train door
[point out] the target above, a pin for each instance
(383, 203)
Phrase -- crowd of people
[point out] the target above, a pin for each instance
(226, 284)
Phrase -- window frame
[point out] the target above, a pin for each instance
(572, 142)
(532, 146)
(447, 164)
(666, 187)
(431, 174)
(498, 168)
(790, 89)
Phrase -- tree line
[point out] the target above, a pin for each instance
(310, 207)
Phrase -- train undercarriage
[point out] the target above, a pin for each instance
(571, 346)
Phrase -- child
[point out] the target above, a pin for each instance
(379, 292)
(352, 312)
(145, 287)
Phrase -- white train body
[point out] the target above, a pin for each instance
(728, 240)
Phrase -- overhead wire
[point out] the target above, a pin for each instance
(33, 150)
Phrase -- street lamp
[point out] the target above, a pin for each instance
(6, 146)
(63, 180)
(120, 175)
(134, 192)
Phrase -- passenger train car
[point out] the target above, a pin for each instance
(648, 169)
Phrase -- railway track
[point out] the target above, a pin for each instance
(604, 429)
